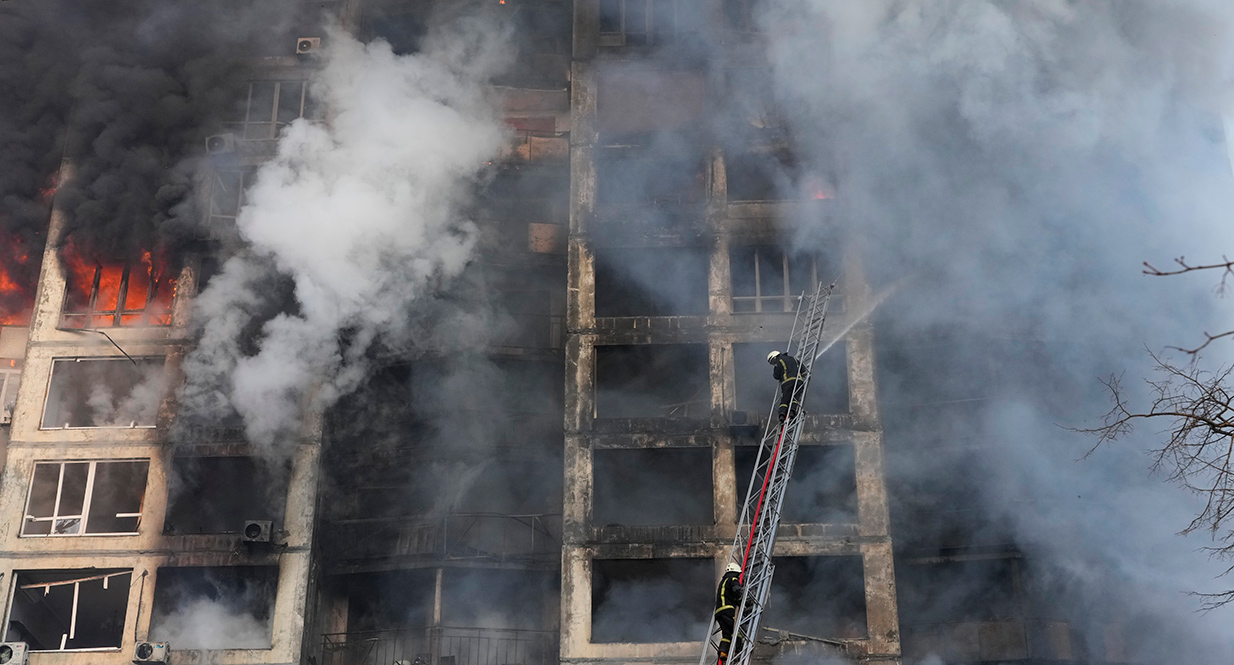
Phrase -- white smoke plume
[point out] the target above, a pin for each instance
(362, 210)
(203, 623)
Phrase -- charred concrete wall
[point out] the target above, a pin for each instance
(635, 315)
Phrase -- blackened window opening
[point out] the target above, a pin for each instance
(653, 381)
(760, 176)
(958, 591)
(658, 172)
(75, 498)
(824, 486)
(651, 281)
(757, 389)
(215, 607)
(820, 596)
(59, 610)
(218, 494)
(652, 487)
(651, 600)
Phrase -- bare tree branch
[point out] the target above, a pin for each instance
(1198, 406)
(1209, 340)
(1227, 270)
(1226, 267)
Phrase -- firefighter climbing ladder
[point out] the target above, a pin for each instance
(760, 513)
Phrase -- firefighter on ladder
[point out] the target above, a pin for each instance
(789, 373)
(728, 594)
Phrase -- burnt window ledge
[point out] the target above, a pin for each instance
(665, 425)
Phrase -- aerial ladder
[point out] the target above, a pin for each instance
(760, 513)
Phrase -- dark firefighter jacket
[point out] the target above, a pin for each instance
(728, 594)
(785, 368)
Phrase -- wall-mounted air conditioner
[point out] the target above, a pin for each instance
(220, 143)
(151, 652)
(307, 45)
(14, 653)
(256, 531)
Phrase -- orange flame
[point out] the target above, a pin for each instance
(16, 297)
(95, 287)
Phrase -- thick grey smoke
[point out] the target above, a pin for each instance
(362, 210)
(1015, 163)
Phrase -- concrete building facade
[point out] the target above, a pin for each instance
(643, 262)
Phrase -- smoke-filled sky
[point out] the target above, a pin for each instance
(1011, 164)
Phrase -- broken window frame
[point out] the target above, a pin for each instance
(120, 315)
(255, 126)
(51, 377)
(784, 303)
(83, 519)
(10, 379)
(223, 206)
(76, 582)
(652, 33)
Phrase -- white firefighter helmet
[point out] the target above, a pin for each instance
(772, 356)
(732, 568)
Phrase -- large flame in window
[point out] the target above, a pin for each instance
(17, 281)
(106, 294)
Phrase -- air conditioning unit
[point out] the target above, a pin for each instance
(307, 45)
(220, 143)
(151, 652)
(14, 653)
(256, 531)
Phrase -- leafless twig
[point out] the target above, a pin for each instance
(1227, 269)
(1199, 454)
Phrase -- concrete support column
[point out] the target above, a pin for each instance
(575, 603)
(723, 400)
(882, 618)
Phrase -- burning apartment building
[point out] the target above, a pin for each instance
(371, 332)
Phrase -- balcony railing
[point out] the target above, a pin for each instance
(457, 536)
(440, 646)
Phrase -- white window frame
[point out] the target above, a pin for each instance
(84, 517)
(253, 117)
(65, 637)
(10, 378)
(649, 29)
(51, 376)
(787, 302)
